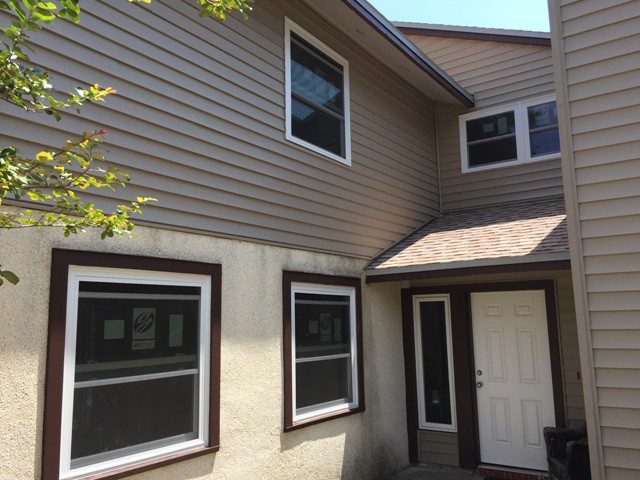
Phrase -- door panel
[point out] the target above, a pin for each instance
(513, 373)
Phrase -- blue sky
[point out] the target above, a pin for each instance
(512, 14)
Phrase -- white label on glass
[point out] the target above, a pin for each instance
(144, 328)
(175, 329)
(113, 329)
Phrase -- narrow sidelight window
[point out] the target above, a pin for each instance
(434, 363)
(317, 103)
(323, 337)
(136, 381)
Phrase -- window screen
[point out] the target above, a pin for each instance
(317, 97)
(492, 139)
(136, 369)
(544, 136)
(324, 357)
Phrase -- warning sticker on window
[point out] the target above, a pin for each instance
(144, 329)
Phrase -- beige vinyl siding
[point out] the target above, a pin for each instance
(496, 73)
(199, 123)
(488, 187)
(599, 59)
(433, 445)
(438, 447)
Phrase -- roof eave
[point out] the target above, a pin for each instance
(404, 45)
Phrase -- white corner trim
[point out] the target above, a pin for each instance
(291, 26)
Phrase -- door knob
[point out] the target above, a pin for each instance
(479, 384)
(479, 372)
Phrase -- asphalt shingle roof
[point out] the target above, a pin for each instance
(513, 230)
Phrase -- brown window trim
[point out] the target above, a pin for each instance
(60, 262)
(298, 277)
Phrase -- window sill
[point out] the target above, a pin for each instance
(151, 464)
(323, 418)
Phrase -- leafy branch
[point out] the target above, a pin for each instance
(55, 178)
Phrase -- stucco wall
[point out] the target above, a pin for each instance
(366, 445)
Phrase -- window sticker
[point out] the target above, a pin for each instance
(144, 329)
(113, 329)
(176, 321)
(325, 328)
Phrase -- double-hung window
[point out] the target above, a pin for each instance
(317, 95)
(136, 382)
(510, 135)
(322, 347)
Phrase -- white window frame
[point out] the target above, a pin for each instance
(523, 143)
(291, 26)
(527, 138)
(321, 409)
(417, 331)
(78, 274)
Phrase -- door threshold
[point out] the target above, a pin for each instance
(510, 473)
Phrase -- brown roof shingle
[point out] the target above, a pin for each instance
(513, 230)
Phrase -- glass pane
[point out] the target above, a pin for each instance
(317, 127)
(113, 417)
(435, 362)
(322, 325)
(543, 115)
(491, 126)
(493, 151)
(322, 381)
(126, 329)
(545, 142)
(315, 77)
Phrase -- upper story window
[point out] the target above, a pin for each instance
(510, 135)
(317, 95)
(323, 348)
(136, 378)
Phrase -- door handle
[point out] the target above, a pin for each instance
(479, 384)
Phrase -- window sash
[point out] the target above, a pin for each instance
(522, 134)
(136, 453)
(292, 30)
(312, 411)
(417, 332)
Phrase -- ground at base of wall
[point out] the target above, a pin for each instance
(434, 473)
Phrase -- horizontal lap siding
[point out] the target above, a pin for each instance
(438, 447)
(601, 51)
(496, 73)
(199, 123)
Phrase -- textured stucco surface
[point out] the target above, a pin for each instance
(363, 446)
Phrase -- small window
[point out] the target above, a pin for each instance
(137, 367)
(434, 363)
(492, 139)
(543, 139)
(511, 135)
(317, 95)
(322, 335)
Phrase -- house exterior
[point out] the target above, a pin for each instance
(374, 245)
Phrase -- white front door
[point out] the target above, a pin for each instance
(513, 374)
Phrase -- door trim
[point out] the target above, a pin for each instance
(463, 359)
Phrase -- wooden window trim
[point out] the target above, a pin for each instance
(60, 262)
(298, 277)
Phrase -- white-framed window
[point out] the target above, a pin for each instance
(316, 95)
(434, 363)
(135, 383)
(508, 135)
(324, 346)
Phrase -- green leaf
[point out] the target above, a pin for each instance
(9, 276)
